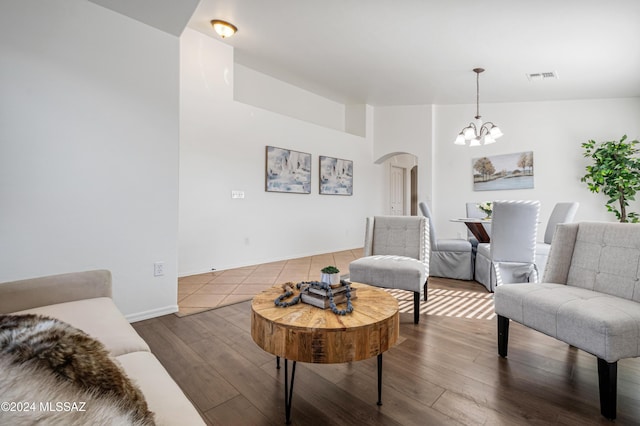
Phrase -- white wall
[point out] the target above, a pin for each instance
(254, 88)
(355, 119)
(223, 149)
(88, 149)
(406, 130)
(554, 131)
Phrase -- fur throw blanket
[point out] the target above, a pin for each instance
(55, 374)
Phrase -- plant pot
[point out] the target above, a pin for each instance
(331, 279)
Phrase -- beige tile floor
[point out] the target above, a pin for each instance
(197, 293)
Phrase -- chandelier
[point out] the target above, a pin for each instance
(477, 133)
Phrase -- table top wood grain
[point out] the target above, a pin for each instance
(308, 334)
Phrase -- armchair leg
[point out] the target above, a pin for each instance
(425, 290)
(416, 306)
(503, 335)
(608, 379)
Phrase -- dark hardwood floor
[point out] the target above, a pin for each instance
(443, 371)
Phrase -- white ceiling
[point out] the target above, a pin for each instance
(170, 16)
(405, 52)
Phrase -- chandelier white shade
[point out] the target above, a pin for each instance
(478, 133)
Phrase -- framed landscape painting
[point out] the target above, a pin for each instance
(508, 171)
(336, 176)
(287, 171)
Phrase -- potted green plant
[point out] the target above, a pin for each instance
(616, 173)
(330, 275)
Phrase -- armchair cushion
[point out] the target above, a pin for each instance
(386, 271)
(398, 236)
(606, 259)
(603, 325)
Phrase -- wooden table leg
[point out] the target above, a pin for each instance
(478, 231)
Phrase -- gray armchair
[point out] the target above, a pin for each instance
(450, 258)
(396, 255)
(589, 298)
(562, 213)
(510, 256)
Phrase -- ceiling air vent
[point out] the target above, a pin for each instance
(539, 76)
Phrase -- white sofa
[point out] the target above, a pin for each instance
(83, 300)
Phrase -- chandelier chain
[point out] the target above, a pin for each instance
(478, 93)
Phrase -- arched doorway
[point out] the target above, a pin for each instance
(401, 194)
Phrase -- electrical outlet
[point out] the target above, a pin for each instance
(158, 269)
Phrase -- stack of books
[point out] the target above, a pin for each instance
(318, 297)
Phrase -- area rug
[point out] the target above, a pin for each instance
(449, 303)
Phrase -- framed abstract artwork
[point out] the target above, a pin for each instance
(508, 171)
(336, 176)
(287, 171)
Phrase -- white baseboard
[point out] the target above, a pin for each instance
(139, 316)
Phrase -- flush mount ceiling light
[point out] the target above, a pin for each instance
(223, 28)
(477, 133)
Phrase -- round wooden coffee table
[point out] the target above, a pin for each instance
(308, 334)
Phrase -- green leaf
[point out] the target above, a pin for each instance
(615, 172)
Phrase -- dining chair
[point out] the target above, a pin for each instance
(561, 213)
(510, 256)
(396, 255)
(450, 258)
(475, 212)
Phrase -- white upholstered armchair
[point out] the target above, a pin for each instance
(396, 255)
(510, 256)
(450, 258)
